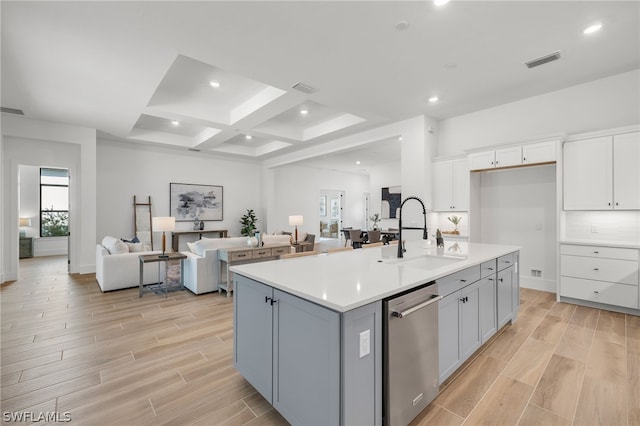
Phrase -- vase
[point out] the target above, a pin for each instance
(201, 225)
(252, 242)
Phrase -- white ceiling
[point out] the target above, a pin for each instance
(129, 69)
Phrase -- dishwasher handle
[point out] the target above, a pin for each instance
(433, 299)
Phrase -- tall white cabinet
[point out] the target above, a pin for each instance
(602, 173)
(451, 185)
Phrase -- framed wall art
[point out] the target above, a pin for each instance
(391, 199)
(189, 202)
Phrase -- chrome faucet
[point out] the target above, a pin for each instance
(425, 234)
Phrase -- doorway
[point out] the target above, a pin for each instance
(331, 213)
(43, 210)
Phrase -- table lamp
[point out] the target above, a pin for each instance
(24, 222)
(295, 221)
(163, 224)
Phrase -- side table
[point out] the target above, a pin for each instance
(26, 247)
(149, 258)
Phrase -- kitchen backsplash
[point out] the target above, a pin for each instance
(622, 226)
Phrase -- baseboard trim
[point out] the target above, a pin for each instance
(538, 284)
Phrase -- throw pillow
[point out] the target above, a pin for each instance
(192, 248)
(135, 247)
(114, 245)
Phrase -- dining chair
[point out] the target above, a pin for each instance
(345, 231)
(355, 235)
(374, 236)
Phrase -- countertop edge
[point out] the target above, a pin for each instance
(497, 251)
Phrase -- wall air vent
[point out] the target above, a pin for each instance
(12, 111)
(304, 88)
(543, 60)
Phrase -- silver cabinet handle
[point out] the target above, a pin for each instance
(596, 269)
(434, 298)
(596, 291)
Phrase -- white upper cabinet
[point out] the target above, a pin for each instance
(513, 156)
(536, 153)
(602, 173)
(507, 157)
(626, 171)
(451, 185)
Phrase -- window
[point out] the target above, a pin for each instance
(54, 202)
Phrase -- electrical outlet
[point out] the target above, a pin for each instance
(594, 229)
(365, 343)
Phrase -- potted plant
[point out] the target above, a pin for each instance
(455, 220)
(375, 219)
(248, 222)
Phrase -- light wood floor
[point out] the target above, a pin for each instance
(113, 359)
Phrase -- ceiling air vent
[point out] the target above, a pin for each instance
(12, 111)
(304, 88)
(543, 60)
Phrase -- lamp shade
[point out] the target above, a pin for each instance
(25, 221)
(296, 220)
(162, 224)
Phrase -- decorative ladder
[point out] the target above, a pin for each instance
(142, 220)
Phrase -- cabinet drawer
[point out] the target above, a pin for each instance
(239, 255)
(275, 251)
(613, 270)
(506, 261)
(457, 280)
(488, 268)
(600, 291)
(597, 251)
(263, 252)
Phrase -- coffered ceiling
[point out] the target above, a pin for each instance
(220, 77)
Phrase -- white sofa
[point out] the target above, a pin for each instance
(201, 268)
(117, 267)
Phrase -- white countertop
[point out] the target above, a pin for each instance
(347, 280)
(621, 244)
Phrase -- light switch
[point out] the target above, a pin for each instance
(365, 343)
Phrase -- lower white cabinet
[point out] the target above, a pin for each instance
(277, 338)
(600, 274)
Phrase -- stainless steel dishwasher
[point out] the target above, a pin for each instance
(410, 362)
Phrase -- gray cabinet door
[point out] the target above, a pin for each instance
(448, 334)
(252, 354)
(488, 317)
(469, 320)
(505, 296)
(306, 368)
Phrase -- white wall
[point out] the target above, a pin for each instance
(518, 207)
(297, 190)
(29, 196)
(601, 104)
(33, 142)
(125, 170)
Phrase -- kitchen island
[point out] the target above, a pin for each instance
(308, 332)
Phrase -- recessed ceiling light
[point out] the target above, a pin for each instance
(248, 137)
(433, 99)
(402, 25)
(304, 111)
(440, 2)
(175, 123)
(214, 83)
(593, 28)
(358, 162)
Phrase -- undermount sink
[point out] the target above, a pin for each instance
(427, 261)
